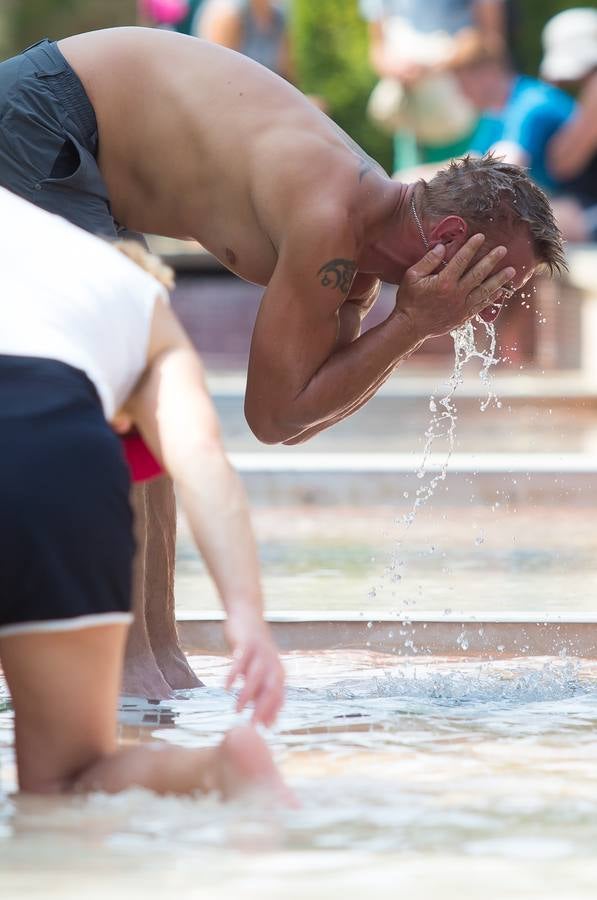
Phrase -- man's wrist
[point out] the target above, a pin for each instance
(407, 330)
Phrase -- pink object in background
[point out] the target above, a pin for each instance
(165, 12)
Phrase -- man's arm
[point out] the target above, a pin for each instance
(300, 380)
(361, 299)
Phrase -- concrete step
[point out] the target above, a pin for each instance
(535, 416)
(373, 479)
(487, 635)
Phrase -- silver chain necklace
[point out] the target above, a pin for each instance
(418, 223)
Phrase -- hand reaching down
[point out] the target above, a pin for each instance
(256, 659)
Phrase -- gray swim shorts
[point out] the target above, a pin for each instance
(49, 139)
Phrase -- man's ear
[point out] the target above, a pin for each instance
(452, 232)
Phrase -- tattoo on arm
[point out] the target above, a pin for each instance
(338, 273)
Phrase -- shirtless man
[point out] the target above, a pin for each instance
(198, 141)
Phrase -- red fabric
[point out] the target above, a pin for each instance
(141, 461)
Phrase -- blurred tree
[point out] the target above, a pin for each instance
(528, 19)
(27, 21)
(331, 52)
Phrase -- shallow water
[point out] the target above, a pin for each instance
(408, 774)
(462, 558)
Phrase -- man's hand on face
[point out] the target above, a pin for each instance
(436, 302)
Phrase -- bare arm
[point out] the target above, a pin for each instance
(575, 143)
(221, 24)
(176, 417)
(386, 62)
(487, 36)
(299, 374)
(300, 381)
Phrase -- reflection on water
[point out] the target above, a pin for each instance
(439, 760)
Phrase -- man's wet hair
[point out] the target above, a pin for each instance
(494, 196)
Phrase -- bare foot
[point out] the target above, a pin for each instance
(175, 668)
(141, 677)
(244, 763)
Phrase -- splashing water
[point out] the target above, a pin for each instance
(445, 414)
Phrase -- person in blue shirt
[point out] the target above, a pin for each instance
(520, 116)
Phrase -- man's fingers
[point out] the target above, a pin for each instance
(462, 260)
(481, 296)
(479, 272)
(428, 264)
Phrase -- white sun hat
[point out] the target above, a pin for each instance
(570, 45)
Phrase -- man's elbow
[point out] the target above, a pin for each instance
(268, 428)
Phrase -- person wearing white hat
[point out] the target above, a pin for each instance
(570, 45)
(570, 58)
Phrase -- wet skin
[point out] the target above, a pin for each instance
(298, 210)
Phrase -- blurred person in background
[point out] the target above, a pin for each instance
(162, 13)
(415, 48)
(570, 60)
(190, 23)
(520, 115)
(256, 28)
(88, 339)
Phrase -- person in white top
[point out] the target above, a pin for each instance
(88, 339)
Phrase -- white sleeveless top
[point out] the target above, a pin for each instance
(69, 296)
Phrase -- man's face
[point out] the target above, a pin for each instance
(520, 256)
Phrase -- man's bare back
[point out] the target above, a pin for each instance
(198, 141)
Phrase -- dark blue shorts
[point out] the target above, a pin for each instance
(66, 534)
(49, 140)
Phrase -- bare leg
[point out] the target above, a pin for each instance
(241, 762)
(141, 676)
(64, 688)
(160, 617)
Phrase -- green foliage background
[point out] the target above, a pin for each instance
(330, 46)
(27, 21)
